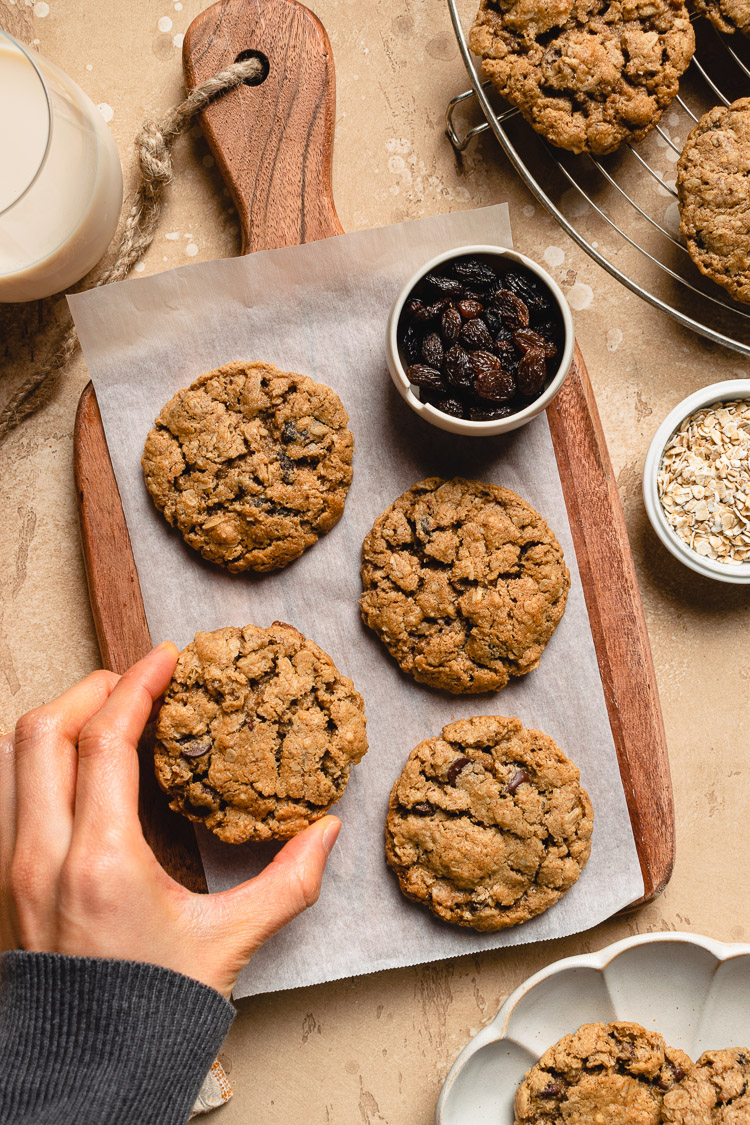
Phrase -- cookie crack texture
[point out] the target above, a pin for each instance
(488, 824)
(714, 1092)
(587, 74)
(713, 196)
(258, 733)
(250, 464)
(727, 15)
(617, 1072)
(464, 583)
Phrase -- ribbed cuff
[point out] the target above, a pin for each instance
(88, 1040)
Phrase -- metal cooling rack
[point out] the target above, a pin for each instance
(622, 209)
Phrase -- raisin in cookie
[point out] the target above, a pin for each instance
(488, 824)
(587, 74)
(715, 1092)
(251, 464)
(727, 15)
(603, 1074)
(712, 184)
(258, 733)
(464, 583)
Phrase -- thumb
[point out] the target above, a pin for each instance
(291, 882)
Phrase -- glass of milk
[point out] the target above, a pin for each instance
(60, 178)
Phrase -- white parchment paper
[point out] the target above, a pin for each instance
(321, 309)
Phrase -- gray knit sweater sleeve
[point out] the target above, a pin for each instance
(93, 1042)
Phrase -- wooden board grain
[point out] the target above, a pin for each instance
(274, 144)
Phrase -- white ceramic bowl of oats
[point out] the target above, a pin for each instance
(696, 481)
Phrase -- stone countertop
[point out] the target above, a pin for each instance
(377, 1048)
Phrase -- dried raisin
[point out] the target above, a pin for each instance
(487, 413)
(432, 350)
(448, 286)
(496, 386)
(527, 338)
(450, 324)
(492, 381)
(492, 319)
(475, 334)
(473, 272)
(551, 331)
(532, 373)
(470, 308)
(452, 406)
(423, 376)
(458, 367)
(414, 310)
(532, 292)
(511, 308)
(411, 344)
(504, 345)
(433, 311)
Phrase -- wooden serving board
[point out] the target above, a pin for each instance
(273, 143)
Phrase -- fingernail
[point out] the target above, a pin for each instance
(162, 646)
(330, 836)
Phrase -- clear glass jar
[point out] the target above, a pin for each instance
(60, 177)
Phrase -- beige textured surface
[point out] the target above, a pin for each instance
(375, 1050)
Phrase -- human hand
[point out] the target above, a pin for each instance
(76, 874)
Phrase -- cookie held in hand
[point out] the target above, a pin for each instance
(464, 583)
(251, 464)
(488, 824)
(616, 1073)
(257, 733)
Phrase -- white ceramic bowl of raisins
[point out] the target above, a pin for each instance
(479, 340)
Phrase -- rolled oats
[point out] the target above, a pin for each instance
(704, 481)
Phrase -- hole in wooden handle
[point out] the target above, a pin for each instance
(256, 79)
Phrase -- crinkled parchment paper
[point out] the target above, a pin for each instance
(321, 309)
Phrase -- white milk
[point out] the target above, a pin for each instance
(60, 178)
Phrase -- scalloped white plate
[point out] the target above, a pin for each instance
(691, 989)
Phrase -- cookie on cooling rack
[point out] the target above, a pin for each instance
(488, 824)
(616, 1073)
(712, 185)
(464, 583)
(727, 15)
(251, 464)
(715, 1092)
(587, 75)
(258, 733)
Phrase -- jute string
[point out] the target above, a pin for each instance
(154, 151)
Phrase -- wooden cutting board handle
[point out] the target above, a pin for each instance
(273, 142)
